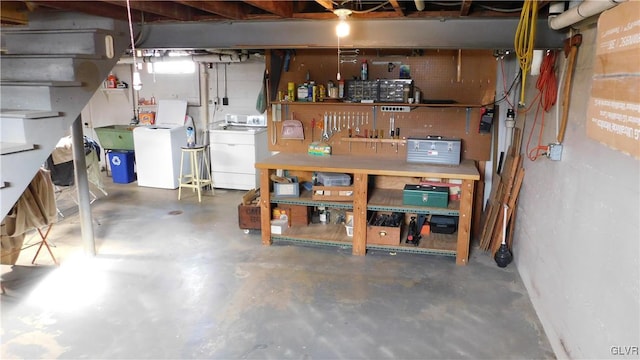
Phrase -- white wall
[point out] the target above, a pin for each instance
(243, 86)
(244, 81)
(109, 107)
(577, 233)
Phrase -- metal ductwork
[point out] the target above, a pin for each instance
(585, 9)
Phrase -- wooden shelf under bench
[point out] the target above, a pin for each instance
(365, 199)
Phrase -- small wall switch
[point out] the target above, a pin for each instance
(555, 152)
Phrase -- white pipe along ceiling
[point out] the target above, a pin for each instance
(222, 57)
(585, 9)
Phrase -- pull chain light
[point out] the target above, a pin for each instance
(137, 82)
(342, 30)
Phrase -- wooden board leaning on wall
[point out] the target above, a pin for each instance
(435, 72)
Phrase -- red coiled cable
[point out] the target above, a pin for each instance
(547, 86)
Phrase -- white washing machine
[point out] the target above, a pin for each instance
(158, 147)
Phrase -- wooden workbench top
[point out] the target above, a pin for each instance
(368, 165)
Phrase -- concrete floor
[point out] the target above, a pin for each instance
(179, 279)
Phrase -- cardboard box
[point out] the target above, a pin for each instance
(249, 217)
(318, 148)
(147, 118)
(297, 214)
(382, 235)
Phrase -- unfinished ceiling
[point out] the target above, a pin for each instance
(16, 12)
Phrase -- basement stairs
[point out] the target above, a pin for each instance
(48, 72)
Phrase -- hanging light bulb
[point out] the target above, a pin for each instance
(343, 28)
(137, 83)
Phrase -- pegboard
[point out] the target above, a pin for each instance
(466, 78)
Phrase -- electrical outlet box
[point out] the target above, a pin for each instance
(555, 152)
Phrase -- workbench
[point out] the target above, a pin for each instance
(367, 173)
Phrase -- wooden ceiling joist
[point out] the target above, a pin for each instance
(396, 7)
(327, 4)
(283, 9)
(168, 9)
(150, 11)
(13, 12)
(225, 9)
(88, 7)
(465, 7)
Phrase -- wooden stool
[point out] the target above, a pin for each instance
(194, 180)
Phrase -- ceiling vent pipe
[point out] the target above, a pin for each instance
(585, 9)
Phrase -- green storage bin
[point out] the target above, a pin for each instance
(116, 137)
(419, 195)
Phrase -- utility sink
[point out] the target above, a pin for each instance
(116, 137)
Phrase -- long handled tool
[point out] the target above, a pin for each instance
(503, 256)
(571, 51)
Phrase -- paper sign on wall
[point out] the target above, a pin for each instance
(613, 115)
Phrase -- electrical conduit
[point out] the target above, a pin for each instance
(524, 41)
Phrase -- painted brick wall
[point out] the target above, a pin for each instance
(577, 235)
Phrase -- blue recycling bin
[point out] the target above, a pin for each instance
(121, 164)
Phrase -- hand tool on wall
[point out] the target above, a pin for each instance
(325, 135)
(313, 127)
(571, 51)
(373, 126)
(335, 123)
(392, 124)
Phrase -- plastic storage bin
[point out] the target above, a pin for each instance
(287, 190)
(334, 179)
(122, 166)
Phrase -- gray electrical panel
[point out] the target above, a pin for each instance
(434, 150)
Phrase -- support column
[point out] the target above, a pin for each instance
(82, 186)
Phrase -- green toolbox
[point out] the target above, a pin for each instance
(425, 195)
